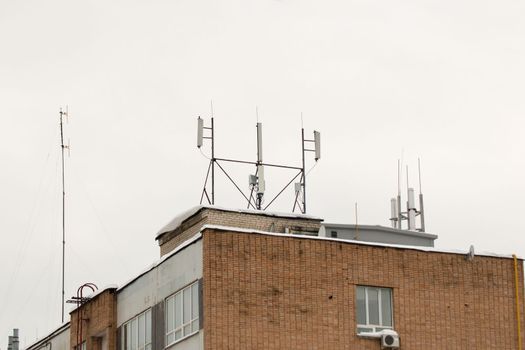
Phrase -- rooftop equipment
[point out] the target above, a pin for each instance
(397, 215)
(257, 182)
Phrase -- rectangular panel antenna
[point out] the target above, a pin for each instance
(260, 173)
(317, 142)
(200, 129)
(259, 143)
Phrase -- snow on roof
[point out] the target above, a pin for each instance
(96, 293)
(388, 245)
(179, 219)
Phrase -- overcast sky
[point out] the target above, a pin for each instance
(442, 80)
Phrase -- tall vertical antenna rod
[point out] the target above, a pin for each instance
(212, 164)
(63, 147)
(304, 173)
(400, 215)
(421, 207)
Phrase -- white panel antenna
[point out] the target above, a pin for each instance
(411, 210)
(200, 131)
(259, 143)
(261, 185)
(317, 143)
(393, 212)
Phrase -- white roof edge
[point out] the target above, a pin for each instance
(180, 218)
(54, 331)
(398, 246)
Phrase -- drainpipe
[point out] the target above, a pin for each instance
(518, 316)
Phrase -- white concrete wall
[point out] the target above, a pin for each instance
(177, 271)
(59, 341)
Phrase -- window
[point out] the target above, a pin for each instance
(333, 234)
(136, 333)
(182, 314)
(374, 309)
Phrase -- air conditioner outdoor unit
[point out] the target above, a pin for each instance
(389, 341)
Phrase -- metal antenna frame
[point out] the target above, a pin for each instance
(251, 201)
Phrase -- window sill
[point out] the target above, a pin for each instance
(376, 335)
(181, 339)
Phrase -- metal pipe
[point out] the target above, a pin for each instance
(304, 174)
(63, 214)
(516, 284)
(228, 176)
(422, 212)
(213, 163)
(257, 163)
(284, 188)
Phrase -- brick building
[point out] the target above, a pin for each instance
(231, 279)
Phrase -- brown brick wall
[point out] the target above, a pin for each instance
(255, 221)
(99, 317)
(267, 292)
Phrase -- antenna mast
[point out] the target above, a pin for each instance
(63, 147)
(257, 181)
(397, 215)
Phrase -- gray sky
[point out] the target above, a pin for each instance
(436, 79)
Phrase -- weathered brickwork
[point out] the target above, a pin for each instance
(257, 221)
(99, 319)
(268, 292)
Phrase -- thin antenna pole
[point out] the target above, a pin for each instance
(419, 172)
(421, 206)
(408, 200)
(399, 215)
(213, 163)
(63, 212)
(304, 173)
(356, 224)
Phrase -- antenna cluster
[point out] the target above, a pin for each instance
(397, 215)
(257, 181)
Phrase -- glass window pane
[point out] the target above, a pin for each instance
(187, 305)
(170, 338)
(178, 334)
(134, 334)
(373, 306)
(363, 330)
(195, 326)
(169, 314)
(148, 326)
(142, 327)
(178, 310)
(361, 305)
(187, 329)
(386, 307)
(128, 336)
(148, 347)
(194, 301)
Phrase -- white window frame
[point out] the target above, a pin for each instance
(146, 345)
(375, 327)
(190, 323)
